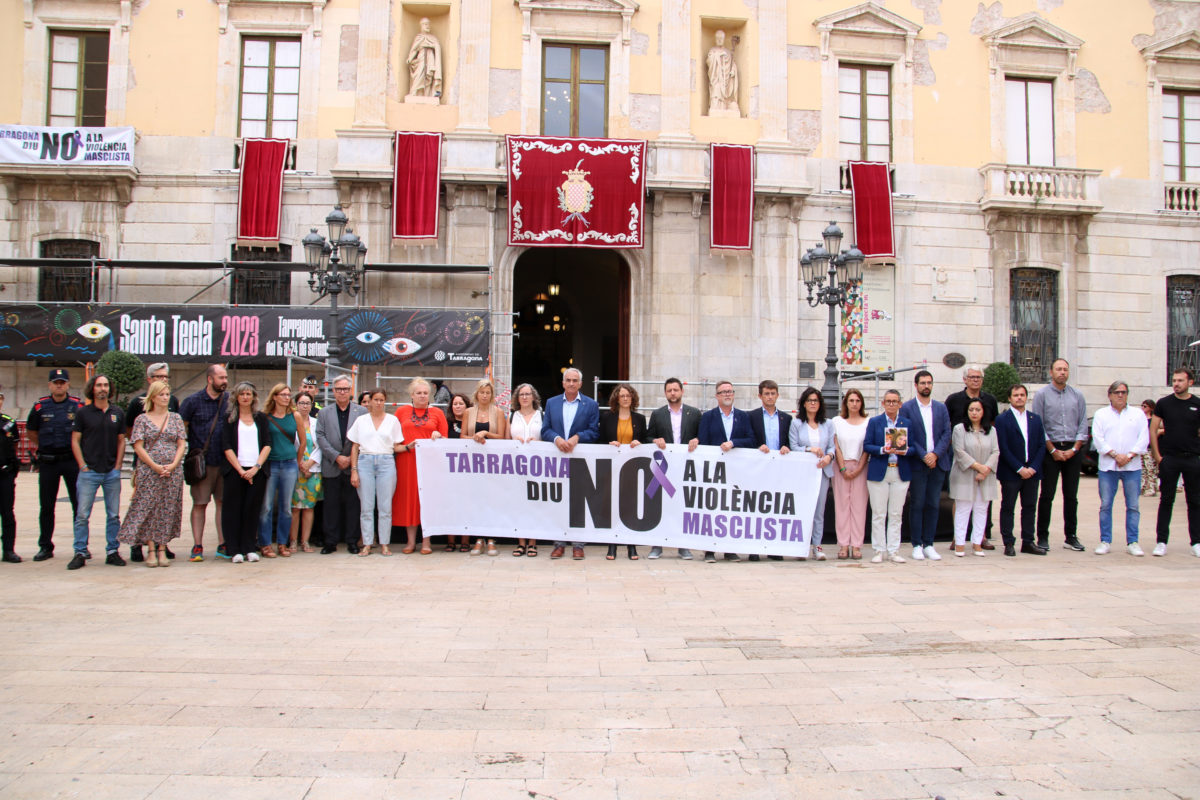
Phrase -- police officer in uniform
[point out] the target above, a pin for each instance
(9, 467)
(49, 427)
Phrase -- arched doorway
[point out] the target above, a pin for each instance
(574, 311)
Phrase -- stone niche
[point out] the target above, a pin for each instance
(411, 15)
(735, 41)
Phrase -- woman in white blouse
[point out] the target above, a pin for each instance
(377, 438)
(850, 480)
(526, 426)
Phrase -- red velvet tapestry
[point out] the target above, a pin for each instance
(260, 192)
(871, 186)
(575, 192)
(731, 223)
(415, 185)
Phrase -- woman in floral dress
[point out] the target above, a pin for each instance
(156, 511)
(308, 487)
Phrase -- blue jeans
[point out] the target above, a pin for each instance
(280, 485)
(1132, 481)
(376, 485)
(85, 490)
(924, 503)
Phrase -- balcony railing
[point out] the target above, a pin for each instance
(1181, 196)
(1049, 190)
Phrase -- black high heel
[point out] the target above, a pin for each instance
(612, 552)
(632, 550)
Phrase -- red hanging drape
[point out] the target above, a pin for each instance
(731, 223)
(260, 192)
(871, 186)
(415, 185)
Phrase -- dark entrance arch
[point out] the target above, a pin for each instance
(584, 324)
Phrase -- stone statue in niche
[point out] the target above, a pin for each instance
(722, 79)
(424, 68)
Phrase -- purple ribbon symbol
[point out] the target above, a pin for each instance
(659, 470)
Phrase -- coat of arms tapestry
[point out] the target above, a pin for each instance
(575, 192)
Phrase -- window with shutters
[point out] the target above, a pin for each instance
(78, 84)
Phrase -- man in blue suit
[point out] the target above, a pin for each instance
(570, 418)
(725, 427)
(1022, 441)
(888, 473)
(929, 459)
(770, 427)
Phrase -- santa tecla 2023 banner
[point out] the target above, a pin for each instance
(244, 334)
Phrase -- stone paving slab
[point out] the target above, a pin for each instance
(447, 676)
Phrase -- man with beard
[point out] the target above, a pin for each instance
(98, 443)
(201, 413)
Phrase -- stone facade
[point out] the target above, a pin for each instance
(1112, 237)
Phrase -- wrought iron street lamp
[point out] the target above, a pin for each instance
(335, 266)
(819, 264)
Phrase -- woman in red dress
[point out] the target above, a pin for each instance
(418, 421)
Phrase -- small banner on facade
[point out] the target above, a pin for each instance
(731, 220)
(244, 334)
(742, 501)
(575, 192)
(66, 147)
(871, 186)
(415, 186)
(260, 192)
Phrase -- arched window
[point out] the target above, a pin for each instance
(1183, 322)
(1033, 328)
(67, 284)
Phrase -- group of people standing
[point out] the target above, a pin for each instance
(267, 468)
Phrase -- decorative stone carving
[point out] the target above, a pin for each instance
(722, 80)
(424, 68)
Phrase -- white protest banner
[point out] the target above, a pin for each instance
(24, 144)
(743, 501)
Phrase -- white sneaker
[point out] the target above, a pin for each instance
(252, 556)
(931, 554)
(820, 556)
(1196, 550)
(878, 557)
(918, 554)
(1160, 549)
(1103, 549)
(237, 559)
(1135, 549)
(897, 558)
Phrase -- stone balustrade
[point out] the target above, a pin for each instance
(1049, 190)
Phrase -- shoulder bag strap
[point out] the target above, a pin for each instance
(213, 426)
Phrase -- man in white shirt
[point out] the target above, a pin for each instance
(674, 423)
(1121, 437)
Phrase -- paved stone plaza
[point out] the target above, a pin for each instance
(447, 676)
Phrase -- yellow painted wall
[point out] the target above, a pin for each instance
(173, 64)
(12, 59)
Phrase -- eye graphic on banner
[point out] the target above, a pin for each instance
(659, 470)
(364, 331)
(575, 195)
(400, 346)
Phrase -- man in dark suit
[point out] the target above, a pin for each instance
(570, 418)
(770, 428)
(1022, 441)
(674, 423)
(929, 459)
(342, 507)
(725, 427)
